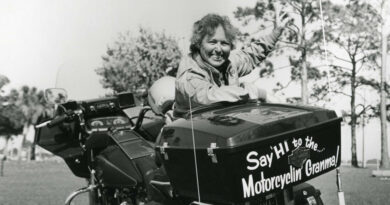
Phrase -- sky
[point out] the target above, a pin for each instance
(59, 43)
(46, 43)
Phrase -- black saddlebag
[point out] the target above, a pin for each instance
(245, 151)
(61, 141)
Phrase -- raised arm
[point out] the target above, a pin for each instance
(246, 59)
(249, 57)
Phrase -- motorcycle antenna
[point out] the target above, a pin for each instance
(338, 174)
(194, 147)
(59, 69)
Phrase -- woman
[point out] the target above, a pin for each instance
(211, 71)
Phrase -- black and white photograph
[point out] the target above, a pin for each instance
(207, 102)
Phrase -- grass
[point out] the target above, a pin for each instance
(49, 183)
(38, 183)
(358, 185)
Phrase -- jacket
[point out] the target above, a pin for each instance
(198, 83)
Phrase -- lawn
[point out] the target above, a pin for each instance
(49, 183)
(358, 185)
(38, 183)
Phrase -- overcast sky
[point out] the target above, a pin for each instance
(42, 38)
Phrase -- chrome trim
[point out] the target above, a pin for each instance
(160, 183)
(70, 198)
(199, 203)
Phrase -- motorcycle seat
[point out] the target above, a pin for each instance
(151, 128)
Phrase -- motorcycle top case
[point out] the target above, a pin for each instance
(245, 151)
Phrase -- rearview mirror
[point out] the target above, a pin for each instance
(56, 95)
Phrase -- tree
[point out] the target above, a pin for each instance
(28, 103)
(11, 123)
(3, 81)
(11, 120)
(302, 42)
(19, 110)
(33, 105)
(11, 117)
(7, 126)
(382, 8)
(385, 161)
(135, 62)
(350, 27)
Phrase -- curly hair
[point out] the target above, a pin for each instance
(207, 26)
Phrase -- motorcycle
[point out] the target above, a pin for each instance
(240, 153)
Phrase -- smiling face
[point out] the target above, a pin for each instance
(215, 49)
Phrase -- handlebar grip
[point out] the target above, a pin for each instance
(57, 121)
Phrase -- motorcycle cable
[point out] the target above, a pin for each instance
(194, 147)
(341, 198)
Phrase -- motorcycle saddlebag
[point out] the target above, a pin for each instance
(61, 141)
(245, 151)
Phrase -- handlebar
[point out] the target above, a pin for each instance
(57, 120)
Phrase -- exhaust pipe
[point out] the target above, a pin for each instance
(78, 192)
